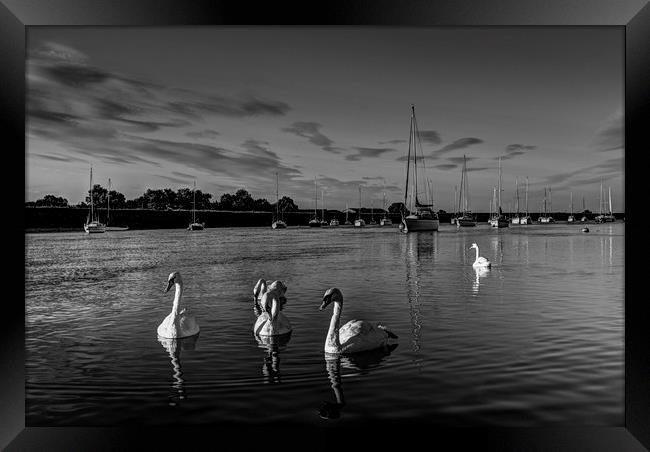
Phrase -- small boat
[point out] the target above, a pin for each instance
(498, 220)
(417, 216)
(359, 223)
(195, 225)
(315, 222)
(278, 223)
(546, 218)
(464, 217)
(605, 217)
(334, 222)
(347, 210)
(585, 229)
(93, 225)
(385, 221)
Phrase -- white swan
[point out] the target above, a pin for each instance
(480, 260)
(354, 336)
(258, 291)
(179, 323)
(271, 321)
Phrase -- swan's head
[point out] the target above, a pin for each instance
(474, 245)
(174, 278)
(279, 287)
(333, 295)
(259, 289)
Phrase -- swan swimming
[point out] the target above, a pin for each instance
(480, 261)
(271, 321)
(354, 336)
(260, 288)
(179, 323)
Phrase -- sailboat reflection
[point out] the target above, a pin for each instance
(273, 345)
(174, 347)
(481, 272)
(419, 247)
(359, 363)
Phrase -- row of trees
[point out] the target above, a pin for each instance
(168, 199)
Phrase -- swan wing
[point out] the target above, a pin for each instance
(359, 335)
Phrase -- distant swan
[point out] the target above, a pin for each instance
(179, 323)
(480, 261)
(354, 336)
(271, 321)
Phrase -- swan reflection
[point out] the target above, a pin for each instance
(271, 365)
(173, 348)
(480, 272)
(360, 364)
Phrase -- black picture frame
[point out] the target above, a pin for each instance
(632, 15)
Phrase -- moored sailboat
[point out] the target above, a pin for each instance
(416, 216)
(546, 217)
(93, 225)
(385, 221)
(278, 222)
(195, 225)
(359, 223)
(315, 222)
(498, 220)
(526, 219)
(571, 218)
(464, 217)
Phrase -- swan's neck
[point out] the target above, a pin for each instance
(178, 305)
(476, 248)
(332, 340)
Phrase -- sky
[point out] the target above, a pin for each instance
(229, 107)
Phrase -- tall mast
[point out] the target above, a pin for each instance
(322, 208)
(526, 196)
(517, 193)
(456, 199)
(550, 201)
(92, 215)
(499, 185)
(408, 158)
(277, 196)
(415, 159)
(571, 203)
(610, 200)
(194, 203)
(544, 201)
(315, 199)
(346, 212)
(359, 202)
(600, 208)
(108, 210)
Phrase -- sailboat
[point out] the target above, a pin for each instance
(195, 225)
(278, 223)
(453, 215)
(498, 220)
(603, 216)
(92, 225)
(417, 216)
(464, 216)
(584, 211)
(315, 222)
(372, 214)
(385, 221)
(546, 217)
(517, 218)
(108, 213)
(323, 221)
(359, 223)
(571, 218)
(347, 210)
(526, 219)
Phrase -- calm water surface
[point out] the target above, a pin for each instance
(536, 340)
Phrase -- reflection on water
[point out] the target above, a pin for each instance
(273, 345)
(480, 272)
(419, 245)
(359, 364)
(174, 347)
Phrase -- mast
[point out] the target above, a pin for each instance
(526, 196)
(315, 200)
(415, 160)
(600, 208)
(92, 214)
(408, 159)
(277, 196)
(544, 201)
(517, 195)
(499, 185)
(359, 202)
(550, 201)
(194, 203)
(610, 200)
(322, 201)
(108, 210)
(571, 204)
(456, 198)
(346, 212)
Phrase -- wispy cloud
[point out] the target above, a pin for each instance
(430, 137)
(461, 143)
(311, 131)
(445, 166)
(392, 142)
(203, 134)
(611, 134)
(513, 150)
(363, 152)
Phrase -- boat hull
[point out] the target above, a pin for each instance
(499, 223)
(516, 220)
(334, 222)
(545, 220)
(465, 222)
(359, 223)
(279, 225)
(314, 224)
(196, 227)
(386, 222)
(94, 228)
(419, 224)
(525, 220)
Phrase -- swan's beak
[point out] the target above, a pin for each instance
(170, 283)
(326, 300)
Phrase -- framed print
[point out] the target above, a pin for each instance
(263, 226)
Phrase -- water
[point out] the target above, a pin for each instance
(536, 340)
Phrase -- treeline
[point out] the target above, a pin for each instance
(168, 199)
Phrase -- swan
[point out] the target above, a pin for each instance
(480, 261)
(258, 291)
(179, 323)
(271, 321)
(354, 336)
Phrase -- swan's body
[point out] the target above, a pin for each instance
(179, 323)
(356, 335)
(271, 321)
(480, 260)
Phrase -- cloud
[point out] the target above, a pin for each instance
(513, 150)
(311, 131)
(446, 166)
(207, 134)
(58, 158)
(459, 160)
(392, 142)
(611, 134)
(430, 137)
(605, 170)
(461, 143)
(367, 152)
